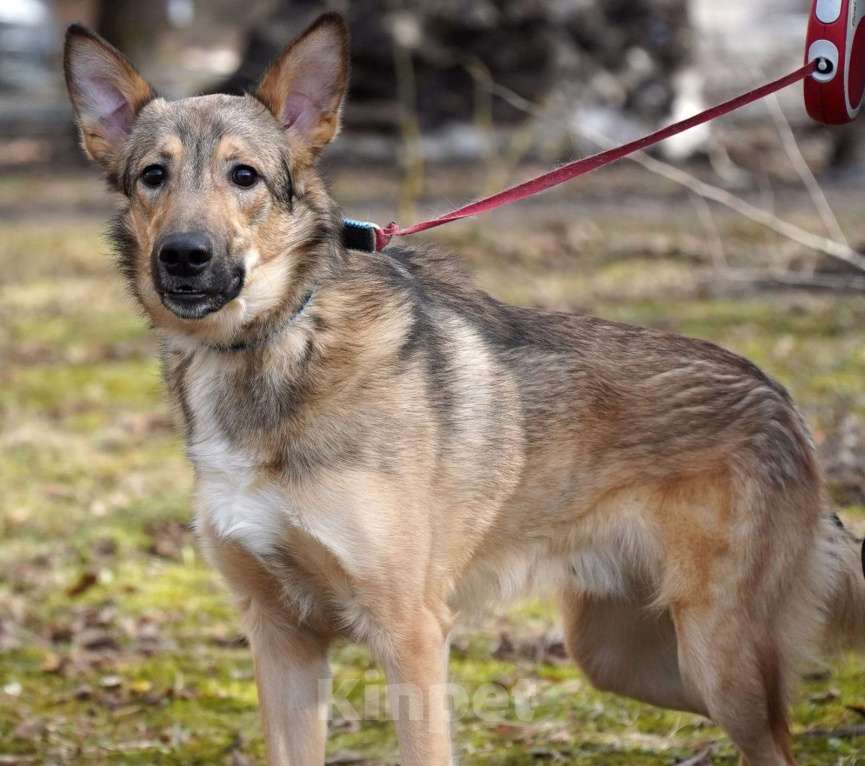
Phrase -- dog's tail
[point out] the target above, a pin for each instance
(846, 607)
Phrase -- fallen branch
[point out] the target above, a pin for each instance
(801, 236)
(703, 758)
(809, 181)
(704, 212)
(777, 279)
(842, 732)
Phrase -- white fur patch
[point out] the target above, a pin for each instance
(263, 288)
(257, 513)
(230, 493)
(239, 507)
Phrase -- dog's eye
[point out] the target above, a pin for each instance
(244, 175)
(153, 176)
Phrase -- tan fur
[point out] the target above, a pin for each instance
(379, 446)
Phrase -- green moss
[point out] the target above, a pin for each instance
(77, 333)
(45, 390)
(32, 250)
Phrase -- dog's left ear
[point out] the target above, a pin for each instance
(304, 88)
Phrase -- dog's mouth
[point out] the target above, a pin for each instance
(188, 301)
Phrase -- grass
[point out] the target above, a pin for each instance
(119, 646)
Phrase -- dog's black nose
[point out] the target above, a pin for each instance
(185, 255)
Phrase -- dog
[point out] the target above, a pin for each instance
(379, 445)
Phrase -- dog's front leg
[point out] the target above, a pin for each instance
(416, 668)
(293, 678)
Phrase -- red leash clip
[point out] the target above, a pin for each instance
(836, 41)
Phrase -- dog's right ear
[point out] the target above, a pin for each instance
(106, 92)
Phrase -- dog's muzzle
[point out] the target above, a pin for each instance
(191, 277)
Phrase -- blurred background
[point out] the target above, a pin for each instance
(117, 645)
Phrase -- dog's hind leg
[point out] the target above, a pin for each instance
(740, 575)
(626, 648)
(742, 680)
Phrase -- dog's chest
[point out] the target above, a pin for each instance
(243, 501)
(238, 504)
(238, 500)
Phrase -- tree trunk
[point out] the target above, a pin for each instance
(132, 26)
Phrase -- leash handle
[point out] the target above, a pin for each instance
(381, 237)
(836, 41)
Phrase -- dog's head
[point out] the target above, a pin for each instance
(225, 212)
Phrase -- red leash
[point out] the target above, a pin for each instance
(357, 234)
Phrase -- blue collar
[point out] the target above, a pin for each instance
(358, 235)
